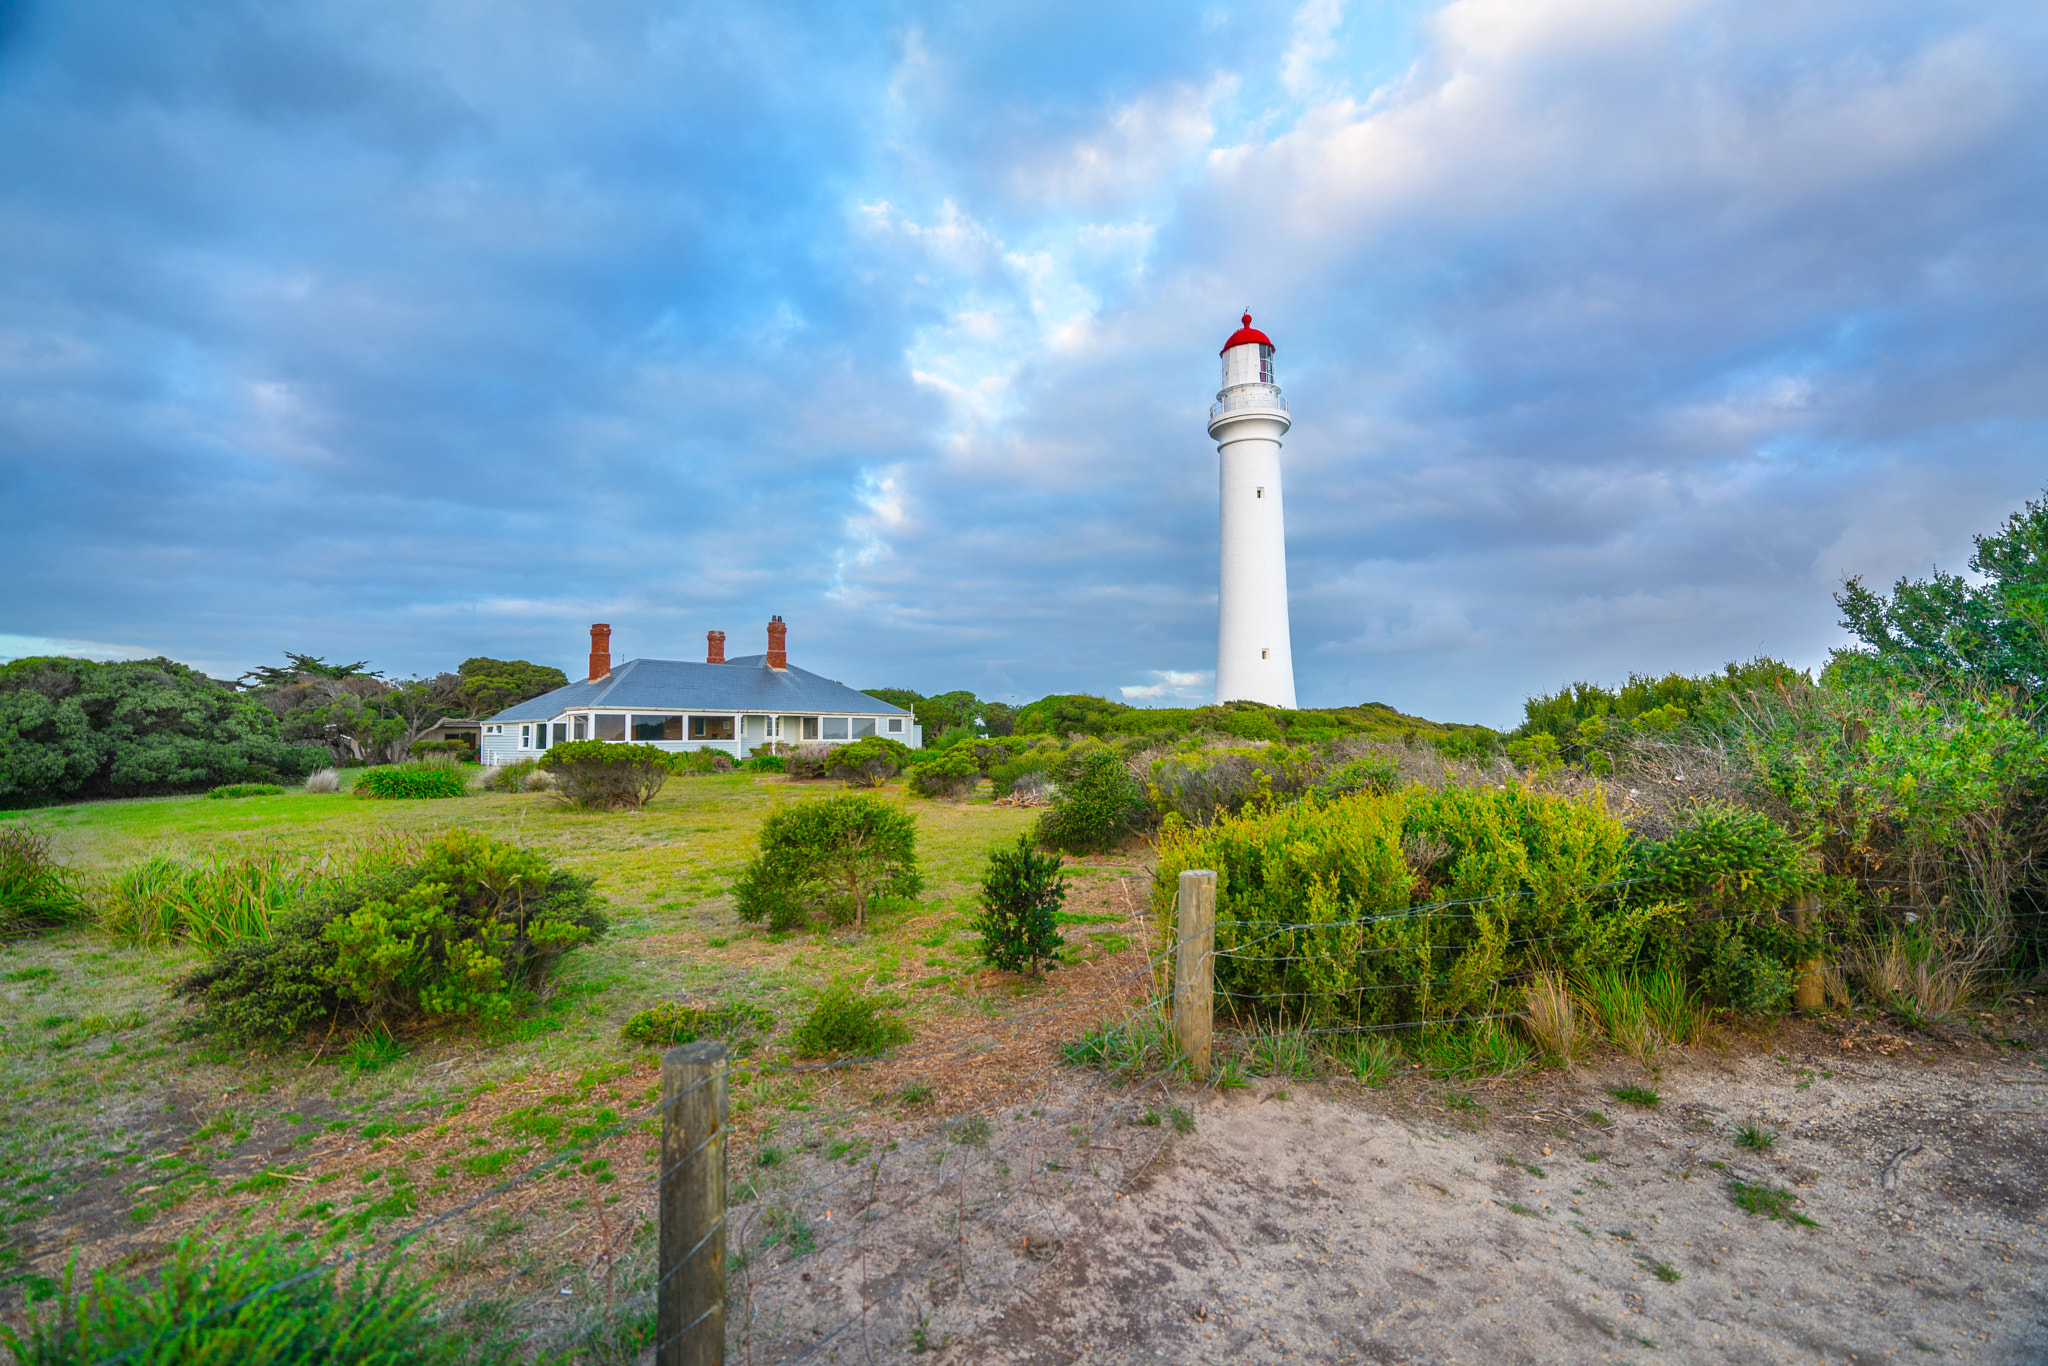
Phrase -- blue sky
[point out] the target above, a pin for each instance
(1616, 332)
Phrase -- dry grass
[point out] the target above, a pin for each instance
(1913, 971)
(1551, 1017)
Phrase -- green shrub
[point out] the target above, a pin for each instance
(869, 761)
(810, 760)
(246, 790)
(766, 763)
(831, 858)
(259, 1302)
(847, 1022)
(235, 894)
(1201, 784)
(952, 773)
(699, 762)
(410, 782)
(1021, 895)
(673, 1022)
(604, 775)
(468, 931)
(521, 775)
(1734, 868)
(1409, 905)
(36, 891)
(1097, 803)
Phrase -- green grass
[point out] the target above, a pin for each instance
(1754, 1136)
(1642, 1097)
(1769, 1201)
(1663, 1271)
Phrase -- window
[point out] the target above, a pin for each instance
(1266, 365)
(835, 728)
(810, 728)
(1262, 654)
(561, 732)
(657, 727)
(711, 728)
(608, 726)
(526, 737)
(774, 727)
(895, 725)
(863, 727)
(1262, 491)
(540, 737)
(582, 727)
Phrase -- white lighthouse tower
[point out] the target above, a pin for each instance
(1254, 658)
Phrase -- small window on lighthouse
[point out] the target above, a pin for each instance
(1262, 654)
(1262, 492)
(1265, 364)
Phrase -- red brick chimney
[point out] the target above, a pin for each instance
(600, 651)
(778, 644)
(714, 647)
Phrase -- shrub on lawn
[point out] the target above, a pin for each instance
(829, 858)
(699, 761)
(765, 763)
(410, 782)
(246, 790)
(673, 1022)
(257, 1302)
(810, 760)
(869, 762)
(846, 1021)
(951, 773)
(165, 898)
(326, 780)
(36, 891)
(1097, 803)
(470, 930)
(604, 775)
(1021, 895)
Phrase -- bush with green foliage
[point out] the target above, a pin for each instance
(264, 1303)
(489, 686)
(235, 893)
(765, 763)
(70, 728)
(848, 1022)
(1199, 784)
(699, 762)
(951, 773)
(1734, 870)
(674, 1022)
(1097, 806)
(605, 775)
(469, 931)
(246, 790)
(829, 859)
(410, 782)
(36, 891)
(869, 761)
(1021, 895)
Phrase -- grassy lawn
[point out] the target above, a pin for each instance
(124, 1129)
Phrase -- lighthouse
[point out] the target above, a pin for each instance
(1254, 658)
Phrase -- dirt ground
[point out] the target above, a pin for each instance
(1537, 1220)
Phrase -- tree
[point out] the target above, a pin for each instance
(302, 667)
(73, 728)
(488, 686)
(1021, 895)
(1947, 631)
(833, 858)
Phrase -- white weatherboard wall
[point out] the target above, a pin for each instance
(1254, 654)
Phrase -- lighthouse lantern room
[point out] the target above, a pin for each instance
(1254, 655)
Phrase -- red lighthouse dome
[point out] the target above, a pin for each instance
(1247, 335)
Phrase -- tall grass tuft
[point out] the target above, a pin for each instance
(326, 780)
(1552, 1018)
(1911, 972)
(36, 891)
(213, 900)
(1675, 1009)
(1615, 998)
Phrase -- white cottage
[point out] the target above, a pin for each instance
(736, 705)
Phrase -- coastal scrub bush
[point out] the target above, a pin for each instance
(1733, 869)
(869, 762)
(1098, 803)
(829, 858)
(698, 762)
(36, 891)
(470, 930)
(674, 1022)
(604, 775)
(951, 773)
(1021, 895)
(1199, 785)
(409, 782)
(812, 759)
(254, 1302)
(847, 1021)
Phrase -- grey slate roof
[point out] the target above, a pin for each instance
(738, 685)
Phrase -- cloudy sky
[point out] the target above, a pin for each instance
(1616, 332)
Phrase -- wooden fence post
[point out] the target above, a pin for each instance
(690, 1297)
(1194, 967)
(1807, 991)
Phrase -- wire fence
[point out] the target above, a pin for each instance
(834, 1242)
